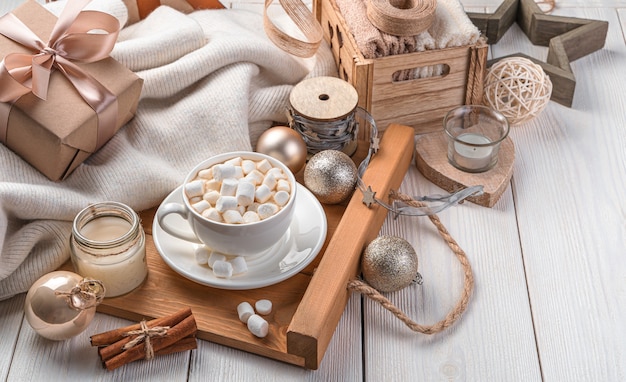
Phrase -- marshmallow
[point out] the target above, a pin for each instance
(232, 217)
(263, 307)
(281, 198)
(283, 185)
(212, 185)
(238, 172)
(236, 161)
(251, 217)
(225, 203)
(213, 214)
(257, 326)
(229, 187)
(244, 311)
(194, 200)
(255, 177)
(222, 269)
(194, 188)
(267, 210)
(262, 194)
(239, 265)
(202, 255)
(201, 205)
(263, 165)
(270, 181)
(207, 173)
(215, 256)
(211, 196)
(248, 166)
(223, 171)
(245, 193)
(277, 173)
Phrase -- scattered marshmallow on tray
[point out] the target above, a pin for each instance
(258, 326)
(239, 184)
(263, 307)
(244, 311)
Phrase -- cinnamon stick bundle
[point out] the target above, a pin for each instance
(180, 336)
(112, 336)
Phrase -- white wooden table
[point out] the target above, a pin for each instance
(549, 261)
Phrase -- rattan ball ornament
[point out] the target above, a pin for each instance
(518, 88)
(389, 263)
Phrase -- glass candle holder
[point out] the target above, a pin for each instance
(108, 244)
(474, 134)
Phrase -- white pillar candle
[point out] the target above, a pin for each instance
(472, 157)
(108, 244)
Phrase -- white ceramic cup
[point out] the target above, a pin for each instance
(245, 239)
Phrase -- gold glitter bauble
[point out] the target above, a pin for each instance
(389, 263)
(331, 176)
(56, 316)
(284, 144)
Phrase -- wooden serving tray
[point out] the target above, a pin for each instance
(307, 306)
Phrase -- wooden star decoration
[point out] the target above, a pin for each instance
(568, 39)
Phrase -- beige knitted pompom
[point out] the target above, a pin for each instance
(518, 88)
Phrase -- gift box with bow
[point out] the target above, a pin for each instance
(61, 96)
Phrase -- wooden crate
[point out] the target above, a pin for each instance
(419, 103)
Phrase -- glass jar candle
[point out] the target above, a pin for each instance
(108, 244)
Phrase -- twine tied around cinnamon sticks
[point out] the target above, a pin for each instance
(165, 335)
(144, 335)
(362, 287)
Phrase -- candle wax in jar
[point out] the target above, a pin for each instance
(120, 272)
(472, 157)
(105, 228)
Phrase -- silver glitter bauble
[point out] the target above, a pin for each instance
(331, 176)
(389, 263)
(284, 144)
(56, 310)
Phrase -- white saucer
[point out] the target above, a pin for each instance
(294, 251)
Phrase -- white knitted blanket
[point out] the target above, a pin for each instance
(213, 82)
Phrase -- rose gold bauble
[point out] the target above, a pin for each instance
(284, 144)
(51, 312)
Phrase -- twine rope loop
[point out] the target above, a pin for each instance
(468, 285)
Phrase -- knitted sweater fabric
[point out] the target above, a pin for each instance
(213, 82)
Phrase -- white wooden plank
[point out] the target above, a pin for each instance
(568, 188)
(494, 339)
(39, 359)
(342, 361)
(11, 315)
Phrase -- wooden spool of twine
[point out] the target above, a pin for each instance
(401, 17)
(468, 285)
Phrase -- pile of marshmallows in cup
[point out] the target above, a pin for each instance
(239, 191)
(237, 204)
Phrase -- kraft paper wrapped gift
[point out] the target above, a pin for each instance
(56, 135)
